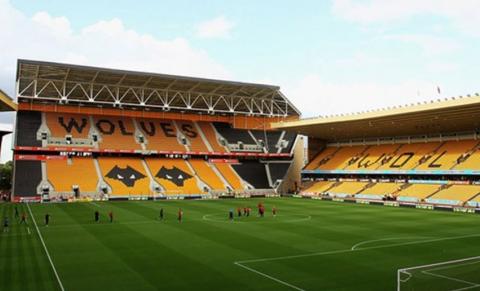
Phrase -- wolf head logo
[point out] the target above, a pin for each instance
(174, 175)
(128, 175)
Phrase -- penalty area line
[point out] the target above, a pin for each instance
(46, 250)
(269, 277)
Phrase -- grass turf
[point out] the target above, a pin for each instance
(307, 246)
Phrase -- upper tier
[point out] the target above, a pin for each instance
(454, 157)
(127, 134)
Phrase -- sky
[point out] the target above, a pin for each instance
(328, 57)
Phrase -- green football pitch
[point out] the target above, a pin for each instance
(309, 245)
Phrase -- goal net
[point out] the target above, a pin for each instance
(463, 274)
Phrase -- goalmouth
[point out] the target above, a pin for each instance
(462, 274)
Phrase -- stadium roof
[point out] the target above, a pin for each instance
(6, 103)
(461, 114)
(65, 83)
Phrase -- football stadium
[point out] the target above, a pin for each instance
(128, 180)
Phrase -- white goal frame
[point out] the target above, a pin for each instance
(406, 270)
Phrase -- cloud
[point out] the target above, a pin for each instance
(218, 27)
(464, 15)
(431, 45)
(315, 96)
(106, 43)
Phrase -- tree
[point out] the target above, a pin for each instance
(6, 172)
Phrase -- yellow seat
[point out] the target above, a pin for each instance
(382, 189)
(174, 176)
(126, 176)
(319, 187)
(207, 175)
(458, 192)
(420, 191)
(348, 187)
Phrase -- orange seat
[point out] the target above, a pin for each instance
(230, 175)
(161, 135)
(209, 132)
(191, 133)
(80, 172)
(62, 124)
(116, 133)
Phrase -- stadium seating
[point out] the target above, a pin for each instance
(62, 124)
(455, 194)
(174, 176)
(254, 173)
(382, 189)
(373, 157)
(417, 192)
(28, 122)
(320, 187)
(191, 133)
(233, 135)
(126, 133)
(210, 133)
(79, 171)
(278, 170)
(289, 140)
(116, 133)
(409, 156)
(269, 139)
(348, 187)
(161, 135)
(125, 175)
(458, 155)
(204, 170)
(340, 158)
(446, 157)
(230, 176)
(128, 175)
(324, 156)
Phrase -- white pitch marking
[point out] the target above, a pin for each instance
(96, 204)
(207, 217)
(473, 285)
(357, 250)
(45, 248)
(454, 266)
(241, 263)
(269, 277)
(466, 288)
(384, 239)
(451, 278)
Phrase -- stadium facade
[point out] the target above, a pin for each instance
(95, 133)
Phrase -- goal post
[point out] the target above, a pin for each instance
(461, 274)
